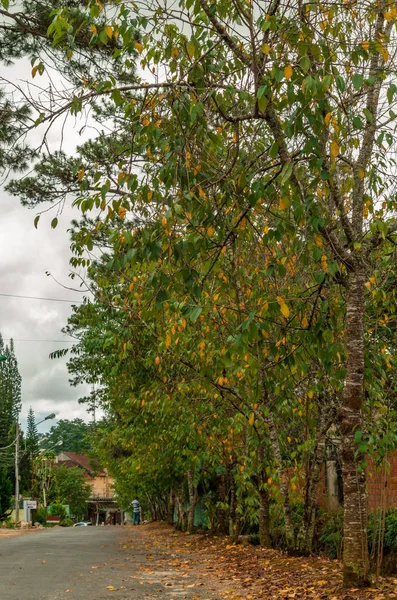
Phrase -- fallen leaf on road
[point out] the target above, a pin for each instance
(68, 591)
(111, 588)
(94, 567)
(43, 562)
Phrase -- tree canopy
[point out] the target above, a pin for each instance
(238, 221)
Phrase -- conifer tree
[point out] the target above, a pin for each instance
(32, 436)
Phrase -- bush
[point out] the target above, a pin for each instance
(57, 509)
(41, 515)
(66, 522)
(330, 531)
(390, 539)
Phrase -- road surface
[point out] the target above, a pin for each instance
(91, 563)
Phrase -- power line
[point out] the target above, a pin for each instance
(40, 298)
(49, 341)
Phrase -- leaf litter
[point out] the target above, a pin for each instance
(220, 569)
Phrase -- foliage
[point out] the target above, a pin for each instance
(66, 522)
(330, 527)
(32, 436)
(56, 509)
(238, 233)
(41, 515)
(6, 490)
(71, 488)
(72, 433)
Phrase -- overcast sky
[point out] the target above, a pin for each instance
(26, 255)
(35, 325)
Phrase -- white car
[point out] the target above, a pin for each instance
(83, 524)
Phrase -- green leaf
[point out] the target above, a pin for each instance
(357, 81)
(191, 49)
(262, 104)
(54, 223)
(195, 313)
(358, 436)
(340, 83)
(36, 221)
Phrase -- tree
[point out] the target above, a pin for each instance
(6, 490)
(271, 132)
(71, 488)
(32, 436)
(72, 433)
(10, 392)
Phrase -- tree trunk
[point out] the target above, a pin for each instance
(221, 499)
(233, 525)
(355, 552)
(193, 499)
(289, 528)
(264, 519)
(171, 508)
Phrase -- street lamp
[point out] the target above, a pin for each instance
(51, 416)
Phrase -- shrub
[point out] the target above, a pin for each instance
(66, 522)
(41, 515)
(330, 531)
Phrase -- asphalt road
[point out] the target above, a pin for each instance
(93, 563)
(45, 564)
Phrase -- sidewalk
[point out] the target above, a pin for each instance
(200, 567)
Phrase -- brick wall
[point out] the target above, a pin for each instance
(377, 481)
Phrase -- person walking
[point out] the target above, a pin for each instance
(136, 511)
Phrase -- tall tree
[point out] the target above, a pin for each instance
(276, 120)
(32, 435)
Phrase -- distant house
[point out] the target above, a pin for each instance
(102, 506)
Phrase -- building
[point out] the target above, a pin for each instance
(102, 505)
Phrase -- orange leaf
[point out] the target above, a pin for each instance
(334, 149)
(288, 72)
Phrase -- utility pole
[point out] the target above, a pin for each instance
(17, 476)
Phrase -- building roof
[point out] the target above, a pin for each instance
(76, 460)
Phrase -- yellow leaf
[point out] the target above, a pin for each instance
(385, 54)
(266, 49)
(288, 72)
(310, 394)
(34, 71)
(327, 118)
(139, 46)
(270, 481)
(210, 231)
(157, 360)
(361, 173)
(94, 29)
(293, 486)
(164, 221)
(334, 149)
(285, 310)
(80, 174)
(251, 418)
(305, 322)
(150, 195)
(167, 340)
(103, 204)
(284, 203)
(111, 587)
(365, 45)
(174, 52)
(122, 212)
(109, 31)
